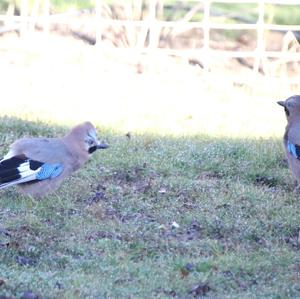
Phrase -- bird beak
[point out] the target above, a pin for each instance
(281, 103)
(102, 145)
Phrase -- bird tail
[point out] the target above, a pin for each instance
(18, 170)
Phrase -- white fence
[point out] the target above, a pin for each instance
(153, 25)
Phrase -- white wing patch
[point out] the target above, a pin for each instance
(18, 175)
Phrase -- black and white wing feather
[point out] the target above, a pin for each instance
(20, 169)
(17, 170)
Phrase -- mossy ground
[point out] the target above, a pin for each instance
(109, 231)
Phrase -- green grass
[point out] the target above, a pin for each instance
(107, 232)
(277, 14)
(57, 6)
(236, 12)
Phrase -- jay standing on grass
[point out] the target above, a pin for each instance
(291, 137)
(39, 165)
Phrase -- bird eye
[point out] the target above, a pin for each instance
(90, 142)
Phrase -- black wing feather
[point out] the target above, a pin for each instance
(10, 168)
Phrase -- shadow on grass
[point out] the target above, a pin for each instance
(155, 217)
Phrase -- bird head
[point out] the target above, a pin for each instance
(291, 106)
(91, 141)
(86, 135)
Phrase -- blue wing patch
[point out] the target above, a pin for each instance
(293, 149)
(49, 171)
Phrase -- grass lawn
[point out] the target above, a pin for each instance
(155, 217)
(198, 201)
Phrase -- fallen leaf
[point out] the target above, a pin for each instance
(29, 295)
(58, 285)
(25, 261)
(162, 190)
(5, 232)
(200, 289)
(171, 293)
(175, 224)
(99, 195)
(186, 270)
(189, 267)
(266, 181)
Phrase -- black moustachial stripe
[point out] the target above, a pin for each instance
(92, 149)
(287, 112)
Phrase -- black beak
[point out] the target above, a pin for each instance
(102, 145)
(281, 103)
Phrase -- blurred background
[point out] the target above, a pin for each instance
(166, 67)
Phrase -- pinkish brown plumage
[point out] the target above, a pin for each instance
(291, 138)
(39, 165)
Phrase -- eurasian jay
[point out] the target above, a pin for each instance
(291, 137)
(39, 165)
